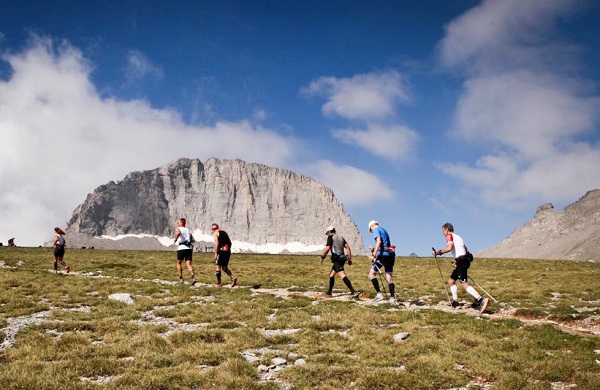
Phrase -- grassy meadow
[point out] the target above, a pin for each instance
(276, 331)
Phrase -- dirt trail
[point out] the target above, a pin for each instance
(589, 326)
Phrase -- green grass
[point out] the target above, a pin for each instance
(177, 337)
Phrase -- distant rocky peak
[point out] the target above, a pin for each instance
(573, 233)
(544, 209)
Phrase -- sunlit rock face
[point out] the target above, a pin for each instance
(261, 208)
(573, 233)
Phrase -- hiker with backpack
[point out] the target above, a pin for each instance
(340, 253)
(383, 255)
(462, 262)
(222, 254)
(185, 244)
(59, 250)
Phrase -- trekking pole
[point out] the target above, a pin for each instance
(441, 277)
(382, 280)
(482, 289)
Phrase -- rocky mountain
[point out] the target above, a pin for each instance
(256, 204)
(573, 233)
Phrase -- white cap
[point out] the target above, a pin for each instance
(329, 229)
(373, 222)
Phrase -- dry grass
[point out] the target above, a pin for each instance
(62, 331)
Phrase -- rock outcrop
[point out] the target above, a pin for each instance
(573, 233)
(254, 203)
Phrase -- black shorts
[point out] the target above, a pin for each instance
(223, 259)
(184, 254)
(338, 264)
(59, 251)
(460, 272)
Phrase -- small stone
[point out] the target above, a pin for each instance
(262, 368)
(398, 337)
(122, 297)
(279, 361)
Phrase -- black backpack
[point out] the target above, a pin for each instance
(224, 239)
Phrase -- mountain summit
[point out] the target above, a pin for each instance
(256, 204)
(573, 233)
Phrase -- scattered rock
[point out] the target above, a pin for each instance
(278, 332)
(15, 325)
(262, 368)
(398, 337)
(279, 361)
(122, 297)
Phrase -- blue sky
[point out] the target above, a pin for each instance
(416, 113)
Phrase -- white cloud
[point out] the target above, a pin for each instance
(495, 34)
(351, 186)
(531, 117)
(140, 67)
(560, 177)
(392, 142)
(533, 114)
(60, 140)
(364, 96)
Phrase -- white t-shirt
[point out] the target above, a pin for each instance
(184, 235)
(458, 249)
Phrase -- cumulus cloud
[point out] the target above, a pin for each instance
(371, 96)
(371, 99)
(560, 177)
(531, 115)
(534, 114)
(351, 186)
(61, 139)
(392, 142)
(500, 33)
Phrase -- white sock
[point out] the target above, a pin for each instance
(473, 292)
(454, 291)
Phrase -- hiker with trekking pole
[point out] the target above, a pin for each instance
(462, 262)
(383, 256)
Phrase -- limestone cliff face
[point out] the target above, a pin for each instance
(254, 203)
(573, 233)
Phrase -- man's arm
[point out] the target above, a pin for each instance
(216, 241)
(447, 249)
(377, 247)
(325, 252)
(177, 234)
(348, 251)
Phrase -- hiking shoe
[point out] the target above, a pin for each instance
(233, 282)
(219, 285)
(378, 297)
(193, 281)
(483, 304)
(355, 295)
(476, 304)
(455, 304)
(68, 269)
(392, 301)
(181, 281)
